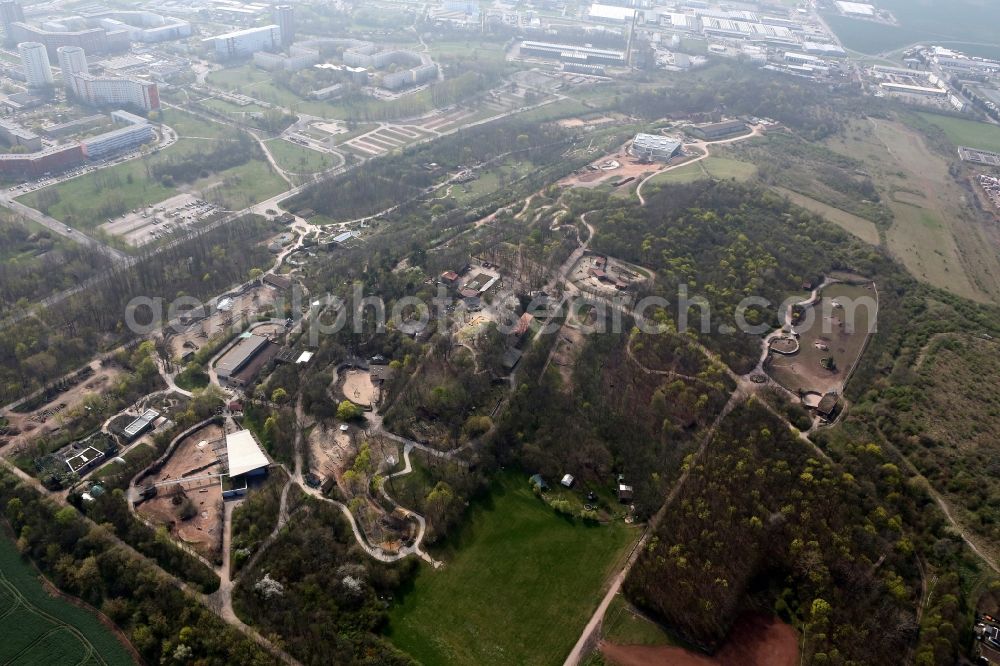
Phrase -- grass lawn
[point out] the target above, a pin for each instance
(682, 174)
(186, 124)
(41, 629)
(299, 159)
(724, 168)
(859, 226)
(258, 84)
(711, 167)
(81, 201)
(489, 181)
(930, 234)
(241, 186)
(140, 451)
(966, 132)
(519, 584)
(624, 625)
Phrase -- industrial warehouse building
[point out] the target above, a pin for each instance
(717, 131)
(655, 147)
(240, 365)
(572, 54)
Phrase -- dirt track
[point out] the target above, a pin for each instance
(756, 640)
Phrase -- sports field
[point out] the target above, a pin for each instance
(37, 628)
(518, 587)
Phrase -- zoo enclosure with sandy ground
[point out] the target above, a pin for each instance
(828, 336)
(194, 457)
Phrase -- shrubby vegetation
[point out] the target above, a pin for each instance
(41, 348)
(723, 242)
(392, 180)
(754, 523)
(316, 589)
(232, 150)
(812, 109)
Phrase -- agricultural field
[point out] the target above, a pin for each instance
(852, 224)
(966, 132)
(967, 25)
(38, 628)
(933, 234)
(519, 584)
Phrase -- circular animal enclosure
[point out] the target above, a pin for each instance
(358, 387)
(785, 345)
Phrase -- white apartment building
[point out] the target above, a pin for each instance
(244, 43)
(112, 91)
(72, 60)
(35, 60)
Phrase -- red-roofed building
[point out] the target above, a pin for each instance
(449, 276)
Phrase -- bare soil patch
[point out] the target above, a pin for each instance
(567, 350)
(193, 458)
(358, 387)
(330, 451)
(756, 640)
(244, 307)
(52, 415)
(829, 336)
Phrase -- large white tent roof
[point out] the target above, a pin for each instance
(243, 452)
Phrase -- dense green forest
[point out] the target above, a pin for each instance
(724, 242)
(316, 589)
(164, 623)
(44, 346)
(34, 264)
(755, 523)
